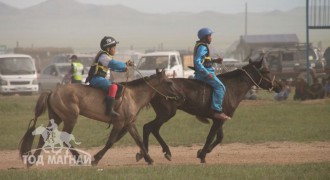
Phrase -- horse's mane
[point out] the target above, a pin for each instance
(230, 74)
(134, 82)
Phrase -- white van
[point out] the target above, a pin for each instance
(18, 74)
(168, 60)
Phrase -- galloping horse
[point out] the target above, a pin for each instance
(197, 101)
(67, 102)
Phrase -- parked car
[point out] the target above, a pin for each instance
(53, 75)
(228, 64)
(290, 62)
(18, 74)
(188, 73)
(168, 60)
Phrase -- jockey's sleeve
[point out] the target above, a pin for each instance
(112, 64)
(117, 66)
(200, 55)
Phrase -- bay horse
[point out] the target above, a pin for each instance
(69, 101)
(196, 100)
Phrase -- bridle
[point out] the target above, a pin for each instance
(261, 78)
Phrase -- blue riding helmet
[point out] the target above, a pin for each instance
(203, 32)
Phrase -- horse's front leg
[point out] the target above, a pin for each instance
(134, 133)
(154, 127)
(114, 134)
(218, 139)
(164, 112)
(201, 154)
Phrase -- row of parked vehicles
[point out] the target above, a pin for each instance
(19, 75)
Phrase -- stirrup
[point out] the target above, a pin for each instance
(221, 116)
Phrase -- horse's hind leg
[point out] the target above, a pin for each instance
(68, 127)
(41, 142)
(114, 134)
(201, 154)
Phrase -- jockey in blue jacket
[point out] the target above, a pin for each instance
(204, 71)
(103, 62)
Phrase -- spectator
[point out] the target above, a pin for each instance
(77, 70)
(300, 89)
(284, 93)
(316, 90)
(252, 94)
(326, 56)
(327, 88)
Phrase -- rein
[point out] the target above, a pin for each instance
(261, 78)
(165, 96)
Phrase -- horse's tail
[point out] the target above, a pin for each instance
(27, 140)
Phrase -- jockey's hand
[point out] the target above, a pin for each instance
(219, 60)
(210, 76)
(129, 63)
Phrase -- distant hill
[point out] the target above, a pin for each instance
(67, 23)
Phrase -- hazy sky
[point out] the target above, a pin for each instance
(166, 6)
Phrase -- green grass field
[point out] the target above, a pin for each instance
(254, 122)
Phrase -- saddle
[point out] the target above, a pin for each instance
(120, 91)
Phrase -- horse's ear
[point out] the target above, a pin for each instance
(260, 64)
(163, 72)
(250, 61)
(157, 71)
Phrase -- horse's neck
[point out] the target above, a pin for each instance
(141, 94)
(236, 89)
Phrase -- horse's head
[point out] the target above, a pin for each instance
(163, 85)
(260, 76)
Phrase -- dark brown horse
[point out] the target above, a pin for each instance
(69, 101)
(196, 100)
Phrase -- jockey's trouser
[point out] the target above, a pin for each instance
(218, 90)
(104, 84)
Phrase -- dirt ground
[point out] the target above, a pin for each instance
(236, 153)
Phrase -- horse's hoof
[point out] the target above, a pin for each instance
(28, 165)
(79, 163)
(94, 163)
(138, 157)
(168, 156)
(151, 162)
(199, 153)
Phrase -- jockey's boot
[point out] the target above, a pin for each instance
(109, 103)
(221, 116)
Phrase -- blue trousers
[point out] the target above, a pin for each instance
(218, 90)
(101, 82)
